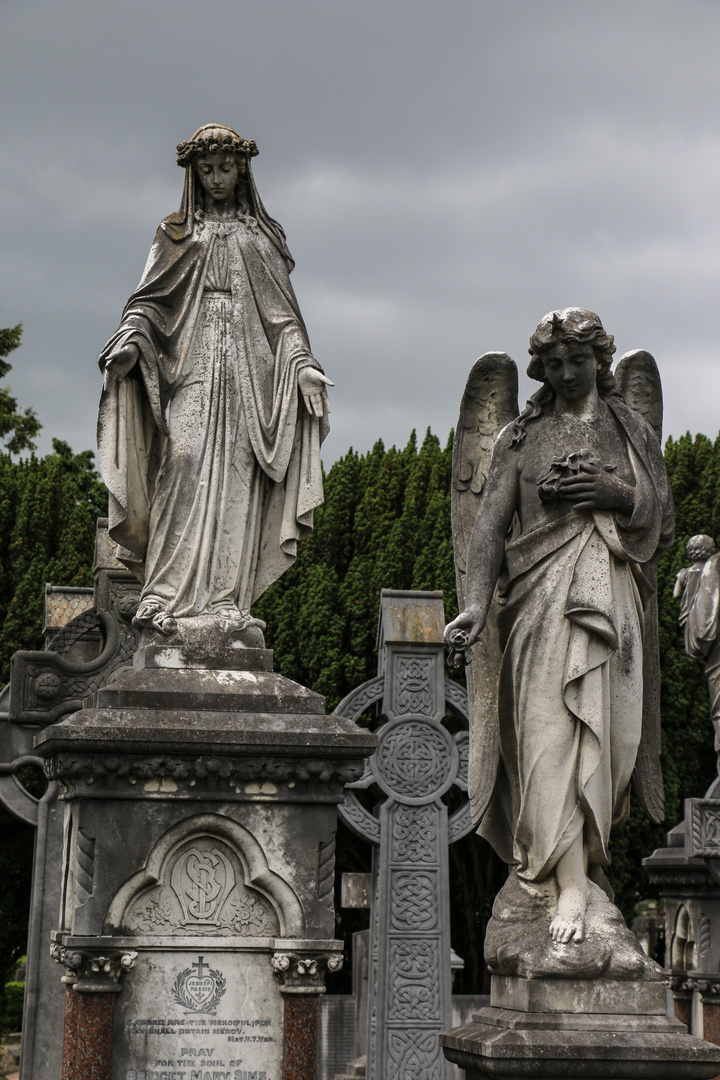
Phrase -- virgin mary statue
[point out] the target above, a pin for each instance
(213, 407)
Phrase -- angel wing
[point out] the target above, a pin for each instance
(638, 380)
(488, 404)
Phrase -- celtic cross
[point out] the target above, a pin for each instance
(416, 763)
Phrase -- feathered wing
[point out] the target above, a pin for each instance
(638, 380)
(488, 404)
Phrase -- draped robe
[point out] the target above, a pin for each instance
(212, 465)
(572, 631)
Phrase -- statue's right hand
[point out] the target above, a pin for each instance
(462, 633)
(119, 363)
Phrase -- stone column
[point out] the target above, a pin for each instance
(92, 982)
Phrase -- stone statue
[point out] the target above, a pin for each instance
(559, 515)
(698, 589)
(213, 407)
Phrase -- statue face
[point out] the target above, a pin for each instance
(571, 369)
(218, 173)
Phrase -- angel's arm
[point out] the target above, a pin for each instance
(486, 549)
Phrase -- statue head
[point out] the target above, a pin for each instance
(700, 547)
(571, 325)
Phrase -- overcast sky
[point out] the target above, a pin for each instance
(446, 172)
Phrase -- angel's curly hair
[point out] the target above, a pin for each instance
(572, 325)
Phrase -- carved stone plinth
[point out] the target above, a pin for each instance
(200, 817)
(615, 1030)
(687, 872)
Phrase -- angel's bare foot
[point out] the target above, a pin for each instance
(569, 923)
(154, 616)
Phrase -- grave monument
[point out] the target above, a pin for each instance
(200, 787)
(687, 871)
(560, 514)
(418, 760)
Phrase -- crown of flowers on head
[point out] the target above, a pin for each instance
(186, 151)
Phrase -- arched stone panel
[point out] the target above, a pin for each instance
(207, 875)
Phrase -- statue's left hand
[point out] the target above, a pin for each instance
(593, 488)
(312, 384)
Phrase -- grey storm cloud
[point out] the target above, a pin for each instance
(446, 173)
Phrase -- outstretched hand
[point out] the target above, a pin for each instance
(594, 488)
(312, 384)
(119, 363)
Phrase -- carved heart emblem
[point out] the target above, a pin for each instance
(200, 990)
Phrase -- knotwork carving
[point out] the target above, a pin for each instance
(414, 980)
(414, 690)
(416, 760)
(414, 834)
(91, 971)
(414, 1053)
(414, 900)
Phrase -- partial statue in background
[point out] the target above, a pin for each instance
(213, 407)
(698, 589)
(559, 516)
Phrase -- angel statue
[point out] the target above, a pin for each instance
(698, 589)
(213, 407)
(559, 516)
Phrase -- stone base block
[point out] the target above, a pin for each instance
(631, 997)
(574, 1046)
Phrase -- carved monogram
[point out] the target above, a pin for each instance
(202, 892)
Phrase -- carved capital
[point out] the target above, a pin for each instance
(304, 972)
(91, 972)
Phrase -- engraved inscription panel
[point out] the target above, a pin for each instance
(185, 1015)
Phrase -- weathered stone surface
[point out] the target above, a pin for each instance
(516, 945)
(562, 648)
(416, 762)
(218, 428)
(594, 996)
(574, 1048)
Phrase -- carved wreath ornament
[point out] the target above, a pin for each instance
(199, 988)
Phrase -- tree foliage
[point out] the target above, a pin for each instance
(385, 524)
(18, 429)
(48, 510)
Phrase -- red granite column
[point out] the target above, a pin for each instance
(682, 1003)
(300, 1036)
(87, 1045)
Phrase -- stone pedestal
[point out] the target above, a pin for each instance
(573, 1028)
(200, 796)
(687, 872)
